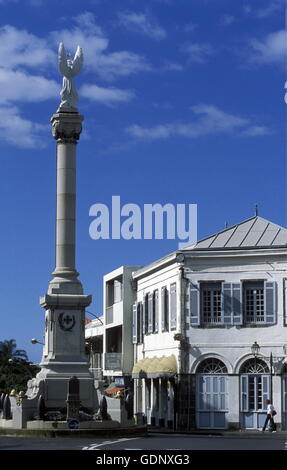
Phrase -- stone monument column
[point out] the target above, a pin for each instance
(66, 129)
(64, 349)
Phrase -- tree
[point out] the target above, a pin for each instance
(8, 350)
(15, 370)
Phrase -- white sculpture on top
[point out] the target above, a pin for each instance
(69, 69)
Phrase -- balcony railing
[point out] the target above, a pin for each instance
(113, 361)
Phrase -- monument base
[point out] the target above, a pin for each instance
(52, 383)
(64, 353)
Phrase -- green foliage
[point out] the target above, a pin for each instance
(15, 370)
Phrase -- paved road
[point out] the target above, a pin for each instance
(174, 442)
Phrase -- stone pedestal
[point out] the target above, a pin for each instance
(73, 399)
(65, 303)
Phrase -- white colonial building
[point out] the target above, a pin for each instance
(193, 317)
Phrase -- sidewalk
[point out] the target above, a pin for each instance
(245, 433)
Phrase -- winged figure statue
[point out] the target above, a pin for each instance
(69, 69)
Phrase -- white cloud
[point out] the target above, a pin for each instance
(254, 131)
(20, 132)
(86, 21)
(263, 12)
(171, 66)
(208, 120)
(272, 49)
(107, 65)
(25, 58)
(189, 27)
(21, 51)
(21, 48)
(19, 86)
(92, 44)
(142, 23)
(226, 20)
(120, 64)
(108, 96)
(197, 52)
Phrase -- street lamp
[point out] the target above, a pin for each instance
(35, 341)
(255, 348)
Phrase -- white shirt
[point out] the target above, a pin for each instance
(270, 408)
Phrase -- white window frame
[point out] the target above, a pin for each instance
(211, 288)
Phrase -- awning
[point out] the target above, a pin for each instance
(114, 390)
(153, 367)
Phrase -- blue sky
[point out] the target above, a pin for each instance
(183, 103)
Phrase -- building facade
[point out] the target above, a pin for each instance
(199, 311)
(203, 331)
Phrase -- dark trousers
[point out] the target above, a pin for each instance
(268, 418)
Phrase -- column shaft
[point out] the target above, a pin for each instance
(66, 207)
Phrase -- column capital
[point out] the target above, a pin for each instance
(67, 127)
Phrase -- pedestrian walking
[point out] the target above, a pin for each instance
(269, 418)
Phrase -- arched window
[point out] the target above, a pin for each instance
(254, 366)
(211, 366)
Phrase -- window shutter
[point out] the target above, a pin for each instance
(244, 393)
(194, 304)
(164, 309)
(140, 322)
(145, 315)
(173, 309)
(155, 310)
(270, 302)
(285, 308)
(150, 312)
(134, 323)
(227, 303)
(237, 304)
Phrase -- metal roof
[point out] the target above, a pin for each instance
(254, 232)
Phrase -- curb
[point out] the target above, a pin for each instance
(243, 433)
(140, 431)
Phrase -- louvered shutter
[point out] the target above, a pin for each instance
(285, 308)
(150, 312)
(134, 323)
(227, 303)
(173, 309)
(164, 309)
(270, 301)
(145, 314)
(140, 322)
(244, 393)
(237, 304)
(194, 305)
(155, 311)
